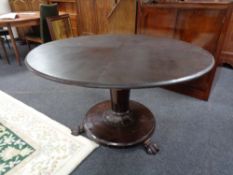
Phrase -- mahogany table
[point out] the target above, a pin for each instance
(120, 63)
(23, 19)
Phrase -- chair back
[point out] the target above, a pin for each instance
(46, 10)
(60, 27)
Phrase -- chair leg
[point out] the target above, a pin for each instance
(29, 45)
(7, 41)
(5, 53)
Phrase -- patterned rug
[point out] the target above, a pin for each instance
(33, 144)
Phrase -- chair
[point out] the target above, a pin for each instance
(60, 27)
(4, 33)
(43, 36)
(5, 57)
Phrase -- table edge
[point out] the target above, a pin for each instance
(120, 86)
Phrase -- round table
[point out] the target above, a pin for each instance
(120, 63)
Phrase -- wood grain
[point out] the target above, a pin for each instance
(106, 16)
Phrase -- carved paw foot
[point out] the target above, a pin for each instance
(150, 147)
(77, 131)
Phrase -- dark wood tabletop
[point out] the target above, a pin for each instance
(119, 61)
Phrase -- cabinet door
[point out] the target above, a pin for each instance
(122, 18)
(227, 51)
(87, 17)
(156, 21)
(103, 8)
(106, 16)
(201, 27)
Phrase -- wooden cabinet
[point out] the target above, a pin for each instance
(201, 23)
(106, 16)
(70, 7)
(227, 51)
(25, 5)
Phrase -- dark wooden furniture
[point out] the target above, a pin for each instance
(23, 19)
(202, 23)
(227, 50)
(60, 27)
(103, 62)
(69, 7)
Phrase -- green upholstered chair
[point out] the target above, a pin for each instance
(43, 36)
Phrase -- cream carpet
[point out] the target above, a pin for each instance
(33, 144)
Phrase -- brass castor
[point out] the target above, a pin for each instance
(77, 131)
(150, 147)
